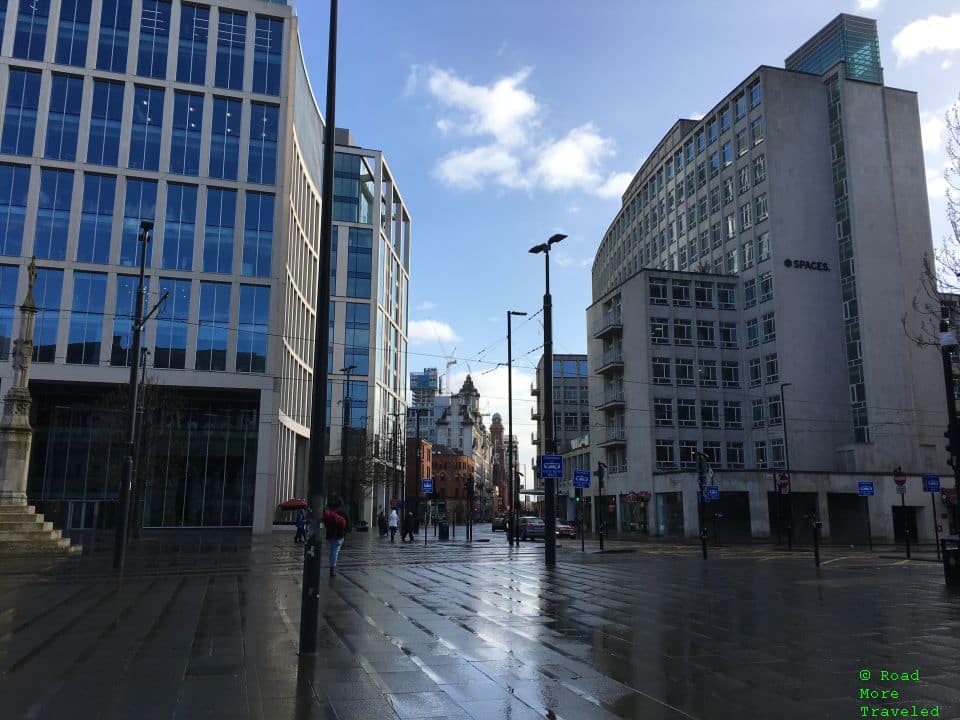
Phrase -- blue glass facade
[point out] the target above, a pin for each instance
(231, 40)
(86, 318)
(63, 120)
(179, 227)
(154, 39)
(46, 294)
(53, 214)
(8, 302)
(213, 331)
(72, 32)
(140, 204)
(14, 189)
(225, 138)
(96, 218)
(257, 235)
(30, 36)
(125, 309)
(356, 342)
(218, 233)
(360, 262)
(187, 128)
(106, 116)
(114, 35)
(146, 128)
(264, 130)
(192, 49)
(20, 115)
(267, 55)
(173, 322)
(252, 328)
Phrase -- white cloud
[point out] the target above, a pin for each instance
(868, 4)
(615, 185)
(932, 126)
(946, 64)
(932, 34)
(506, 118)
(426, 305)
(936, 183)
(420, 331)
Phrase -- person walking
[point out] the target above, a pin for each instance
(337, 523)
(394, 521)
(408, 527)
(381, 523)
(301, 523)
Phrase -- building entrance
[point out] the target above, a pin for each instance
(899, 512)
(848, 518)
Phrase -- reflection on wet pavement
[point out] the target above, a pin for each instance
(467, 631)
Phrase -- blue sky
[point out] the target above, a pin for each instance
(505, 122)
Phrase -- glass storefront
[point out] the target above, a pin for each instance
(198, 461)
(669, 513)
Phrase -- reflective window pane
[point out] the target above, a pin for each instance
(172, 324)
(8, 303)
(154, 38)
(31, 32)
(187, 126)
(264, 124)
(192, 49)
(258, 234)
(252, 332)
(114, 35)
(20, 115)
(106, 116)
(63, 119)
(179, 227)
(359, 262)
(267, 53)
(53, 214)
(231, 40)
(219, 229)
(46, 293)
(213, 330)
(96, 218)
(72, 32)
(356, 342)
(225, 138)
(146, 129)
(140, 204)
(86, 318)
(125, 311)
(14, 189)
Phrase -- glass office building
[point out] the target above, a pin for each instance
(191, 116)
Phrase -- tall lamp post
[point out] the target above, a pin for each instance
(786, 462)
(948, 343)
(310, 597)
(345, 434)
(550, 484)
(514, 530)
(120, 540)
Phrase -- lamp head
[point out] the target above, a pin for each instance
(556, 238)
(348, 369)
(516, 312)
(542, 247)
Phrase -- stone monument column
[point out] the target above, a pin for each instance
(16, 435)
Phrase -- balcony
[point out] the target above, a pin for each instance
(611, 360)
(534, 389)
(611, 398)
(613, 436)
(534, 413)
(609, 324)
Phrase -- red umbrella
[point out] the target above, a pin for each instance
(293, 504)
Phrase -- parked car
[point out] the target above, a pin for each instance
(532, 527)
(499, 523)
(565, 529)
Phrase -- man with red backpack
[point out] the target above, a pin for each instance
(338, 525)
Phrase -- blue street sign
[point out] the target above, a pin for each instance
(427, 485)
(931, 483)
(581, 478)
(712, 492)
(551, 466)
(865, 488)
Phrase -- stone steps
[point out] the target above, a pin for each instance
(24, 532)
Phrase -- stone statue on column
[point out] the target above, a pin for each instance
(16, 435)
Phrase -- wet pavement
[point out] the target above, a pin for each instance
(480, 630)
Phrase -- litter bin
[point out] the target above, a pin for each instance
(950, 552)
(444, 530)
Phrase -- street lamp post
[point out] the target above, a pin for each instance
(550, 484)
(948, 343)
(310, 589)
(786, 462)
(345, 437)
(702, 484)
(120, 540)
(513, 531)
(601, 470)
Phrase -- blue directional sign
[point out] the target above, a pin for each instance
(711, 492)
(931, 483)
(551, 466)
(427, 485)
(581, 479)
(865, 488)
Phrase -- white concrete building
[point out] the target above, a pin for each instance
(199, 119)
(773, 249)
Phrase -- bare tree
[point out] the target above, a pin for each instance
(940, 273)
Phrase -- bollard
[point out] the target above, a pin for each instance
(816, 541)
